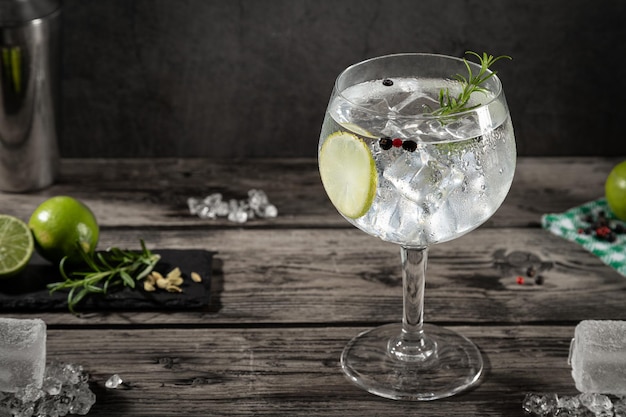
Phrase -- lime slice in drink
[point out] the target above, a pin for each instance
(16, 245)
(357, 129)
(348, 173)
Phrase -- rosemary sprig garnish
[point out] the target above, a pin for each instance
(103, 270)
(449, 104)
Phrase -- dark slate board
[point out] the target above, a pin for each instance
(28, 292)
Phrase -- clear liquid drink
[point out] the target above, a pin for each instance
(456, 177)
(416, 149)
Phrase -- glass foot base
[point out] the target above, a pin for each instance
(456, 365)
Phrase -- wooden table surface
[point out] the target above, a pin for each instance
(290, 292)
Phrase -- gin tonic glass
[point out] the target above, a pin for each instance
(400, 167)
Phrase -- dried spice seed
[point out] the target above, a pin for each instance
(148, 286)
(601, 227)
(173, 273)
(520, 280)
(531, 271)
(162, 283)
(409, 145)
(175, 280)
(387, 82)
(170, 283)
(385, 143)
(602, 232)
(539, 280)
(195, 277)
(150, 279)
(173, 288)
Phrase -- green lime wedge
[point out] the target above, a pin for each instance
(348, 173)
(16, 245)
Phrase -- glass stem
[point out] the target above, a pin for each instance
(412, 344)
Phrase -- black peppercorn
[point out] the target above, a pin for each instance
(385, 143)
(409, 145)
(602, 227)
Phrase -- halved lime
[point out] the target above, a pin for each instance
(348, 173)
(16, 245)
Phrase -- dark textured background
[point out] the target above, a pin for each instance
(251, 78)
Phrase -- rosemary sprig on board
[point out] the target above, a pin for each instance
(103, 270)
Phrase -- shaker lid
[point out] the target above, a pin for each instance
(16, 12)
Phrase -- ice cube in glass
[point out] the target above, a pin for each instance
(420, 178)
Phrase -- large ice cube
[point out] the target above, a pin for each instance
(464, 128)
(422, 179)
(598, 356)
(22, 353)
(428, 130)
(411, 103)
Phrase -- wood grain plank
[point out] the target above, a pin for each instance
(294, 371)
(153, 192)
(345, 276)
(290, 292)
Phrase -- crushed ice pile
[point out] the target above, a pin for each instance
(582, 405)
(598, 357)
(65, 390)
(239, 211)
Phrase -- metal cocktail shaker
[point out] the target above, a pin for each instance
(29, 91)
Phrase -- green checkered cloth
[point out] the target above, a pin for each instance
(570, 224)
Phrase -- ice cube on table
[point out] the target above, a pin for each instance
(22, 353)
(598, 356)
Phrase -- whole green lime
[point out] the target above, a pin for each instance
(64, 226)
(615, 190)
